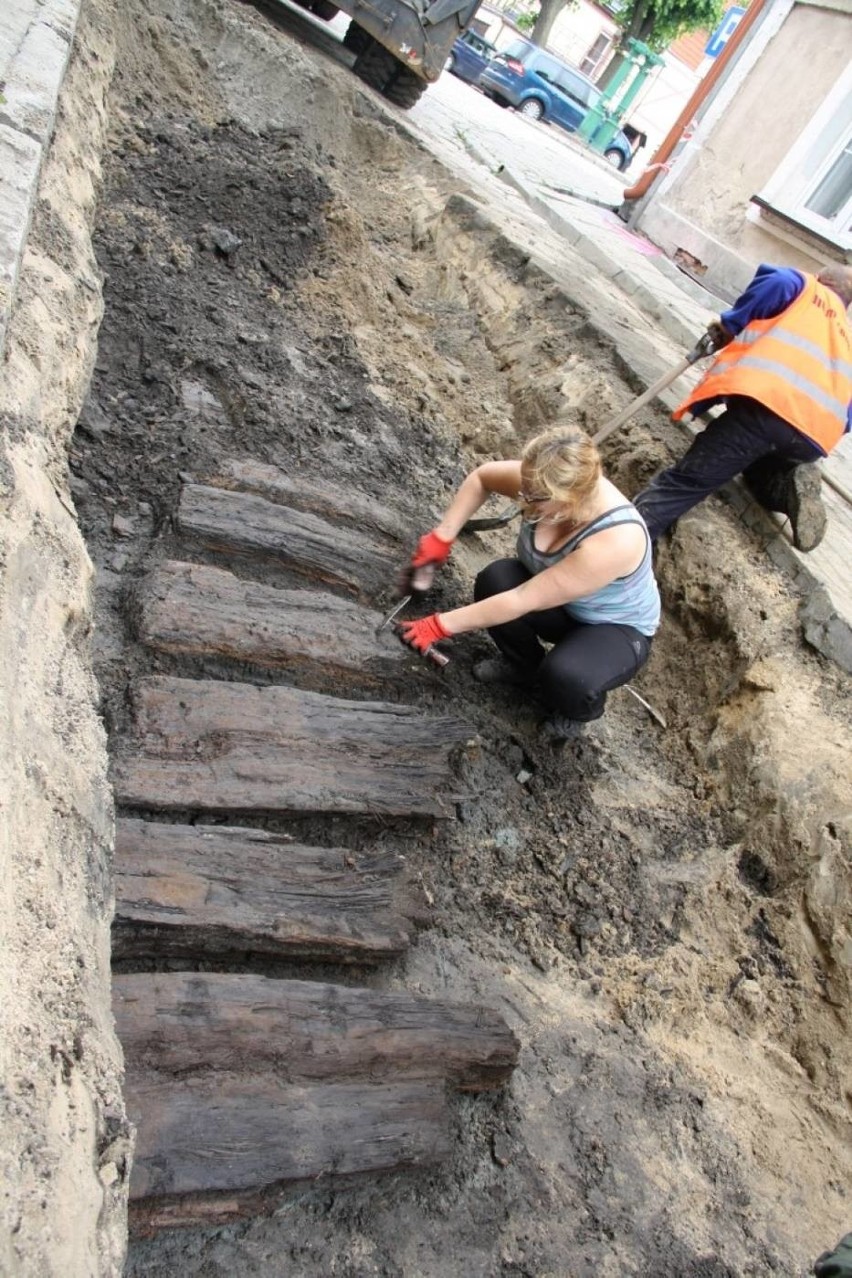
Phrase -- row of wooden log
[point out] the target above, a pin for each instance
(242, 1086)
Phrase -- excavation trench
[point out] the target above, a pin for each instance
(658, 913)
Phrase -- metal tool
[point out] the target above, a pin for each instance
(433, 654)
(394, 613)
(704, 346)
(439, 658)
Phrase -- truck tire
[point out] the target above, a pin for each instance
(405, 88)
(324, 10)
(356, 39)
(376, 65)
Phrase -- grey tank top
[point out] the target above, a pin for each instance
(633, 600)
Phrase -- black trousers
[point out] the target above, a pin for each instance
(748, 440)
(585, 662)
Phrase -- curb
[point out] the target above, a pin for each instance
(35, 47)
(597, 257)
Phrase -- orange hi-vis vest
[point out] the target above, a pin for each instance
(798, 364)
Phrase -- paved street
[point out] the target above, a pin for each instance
(540, 153)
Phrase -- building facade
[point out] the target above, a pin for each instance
(767, 173)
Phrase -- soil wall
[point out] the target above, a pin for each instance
(65, 1140)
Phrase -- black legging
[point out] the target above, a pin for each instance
(586, 661)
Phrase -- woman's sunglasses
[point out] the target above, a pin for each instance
(529, 499)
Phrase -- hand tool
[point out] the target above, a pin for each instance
(394, 613)
(704, 346)
(439, 658)
(434, 654)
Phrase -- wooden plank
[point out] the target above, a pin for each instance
(180, 1023)
(245, 524)
(340, 505)
(218, 1149)
(213, 746)
(191, 608)
(213, 891)
(236, 747)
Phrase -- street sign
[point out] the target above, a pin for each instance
(723, 32)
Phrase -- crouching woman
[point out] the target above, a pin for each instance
(581, 580)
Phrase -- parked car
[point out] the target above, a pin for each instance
(544, 87)
(469, 56)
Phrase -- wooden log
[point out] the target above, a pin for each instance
(229, 747)
(190, 608)
(196, 891)
(218, 1149)
(389, 524)
(184, 1023)
(247, 525)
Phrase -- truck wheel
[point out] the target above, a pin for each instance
(356, 38)
(405, 88)
(376, 65)
(324, 10)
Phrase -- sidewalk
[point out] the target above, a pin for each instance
(682, 308)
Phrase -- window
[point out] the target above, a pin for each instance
(812, 188)
(547, 68)
(831, 197)
(578, 89)
(596, 55)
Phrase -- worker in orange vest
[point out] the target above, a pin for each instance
(784, 373)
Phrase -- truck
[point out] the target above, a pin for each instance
(400, 46)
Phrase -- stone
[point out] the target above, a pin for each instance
(825, 630)
(122, 527)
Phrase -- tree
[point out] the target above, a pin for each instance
(547, 15)
(658, 22)
(655, 22)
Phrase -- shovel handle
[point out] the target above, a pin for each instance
(703, 347)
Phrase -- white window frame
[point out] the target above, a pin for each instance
(594, 63)
(817, 148)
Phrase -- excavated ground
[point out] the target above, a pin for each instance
(659, 914)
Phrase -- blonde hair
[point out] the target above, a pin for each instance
(563, 464)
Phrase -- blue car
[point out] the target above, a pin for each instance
(469, 56)
(544, 87)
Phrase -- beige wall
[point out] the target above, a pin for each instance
(65, 1146)
(575, 31)
(712, 187)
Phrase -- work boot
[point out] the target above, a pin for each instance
(559, 728)
(804, 507)
(501, 670)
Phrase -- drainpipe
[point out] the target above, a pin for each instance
(700, 94)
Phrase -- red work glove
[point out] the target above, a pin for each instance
(421, 635)
(431, 552)
(431, 549)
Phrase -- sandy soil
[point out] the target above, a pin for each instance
(661, 915)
